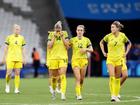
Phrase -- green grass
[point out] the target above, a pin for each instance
(95, 92)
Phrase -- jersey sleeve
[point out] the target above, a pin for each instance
(50, 35)
(105, 38)
(7, 40)
(71, 41)
(23, 42)
(125, 39)
(88, 43)
(66, 34)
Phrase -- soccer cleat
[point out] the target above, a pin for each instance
(117, 99)
(51, 90)
(63, 97)
(7, 89)
(58, 90)
(17, 91)
(53, 95)
(79, 97)
(113, 98)
(119, 96)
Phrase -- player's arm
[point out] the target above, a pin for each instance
(102, 48)
(23, 54)
(88, 49)
(51, 41)
(65, 40)
(129, 44)
(5, 54)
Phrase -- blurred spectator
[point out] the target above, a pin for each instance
(36, 61)
(134, 53)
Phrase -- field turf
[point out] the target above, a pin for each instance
(95, 92)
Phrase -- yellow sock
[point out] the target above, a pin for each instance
(81, 87)
(117, 86)
(78, 90)
(7, 79)
(54, 82)
(17, 81)
(112, 85)
(63, 83)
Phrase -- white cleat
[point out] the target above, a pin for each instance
(17, 91)
(113, 98)
(7, 89)
(119, 96)
(79, 97)
(58, 90)
(51, 89)
(117, 99)
(63, 97)
(53, 95)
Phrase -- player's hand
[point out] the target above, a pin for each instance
(61, 34)
(55, 35)
(83, 50)
(105, 54)
(24, 62)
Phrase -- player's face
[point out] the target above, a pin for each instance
(114, 29)
(80, 31)
(17, 30)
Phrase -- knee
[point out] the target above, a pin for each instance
(78, 79)
(125, 76)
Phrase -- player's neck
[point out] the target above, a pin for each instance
(79, 37)
(16, 35)
(116, 34)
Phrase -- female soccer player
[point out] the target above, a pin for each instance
(58, 43)
(14, 57)
(80, 46)
(116, 53)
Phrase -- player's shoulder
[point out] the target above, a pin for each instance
(122, 34)
(109, 34)
(86, 38)
(50, 32)
(21, 36)
(73, 38)
(64, 31)
(9, 36)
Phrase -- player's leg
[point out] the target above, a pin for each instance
(58, 89)
(17, 80)
(54, 79)
(111, 71)
(63, 84)
(62, 72)
(82, 73)
(49, 81)
(124, 74)
(9, 66)
(84, 63)
(17, 67)
(76, 71)
(117, 81)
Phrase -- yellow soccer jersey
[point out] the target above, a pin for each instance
(15, 45)
(77, 44)
(116, 45)
(58, 51)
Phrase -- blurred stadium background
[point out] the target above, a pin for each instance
(37, 17)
